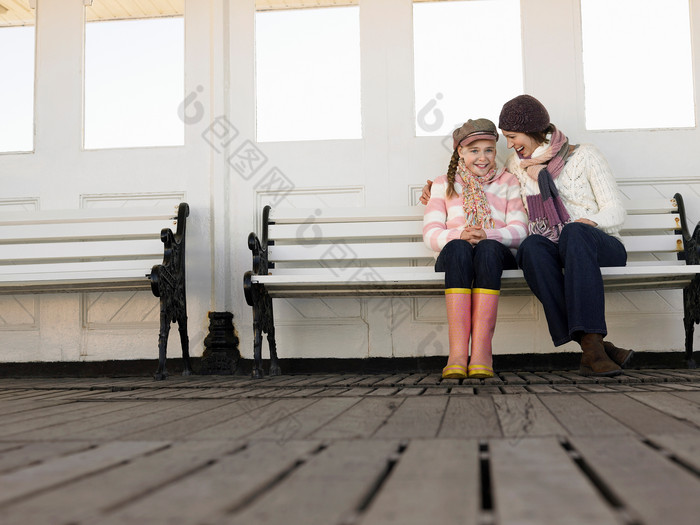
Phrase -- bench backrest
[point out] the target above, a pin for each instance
(393, 235)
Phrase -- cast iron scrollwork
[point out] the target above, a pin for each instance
(168, 283)
(256, 296)
(691, 293)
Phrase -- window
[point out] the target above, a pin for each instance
(307, 72)
(17, 37)
(637, 64)
(134, 74)
(468, 61)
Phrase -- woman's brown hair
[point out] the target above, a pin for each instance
(541, 136)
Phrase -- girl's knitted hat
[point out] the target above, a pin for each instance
(524, 114)
(472, 130)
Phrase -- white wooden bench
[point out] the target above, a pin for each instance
(87, 250)
(380, 251)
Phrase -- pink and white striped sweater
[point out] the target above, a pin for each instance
(444, 219)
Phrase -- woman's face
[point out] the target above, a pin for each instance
(523, 144)
(479, 156)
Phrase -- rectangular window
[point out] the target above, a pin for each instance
(134, 74)
(307, 71)
(17, 50)
(468, 61)
(637, 64)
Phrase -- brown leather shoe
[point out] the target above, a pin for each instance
(594, 361)
(620, 356)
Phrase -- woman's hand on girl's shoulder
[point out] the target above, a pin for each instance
(425, 195)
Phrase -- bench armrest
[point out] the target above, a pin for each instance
(183, 211)
(170, 274)
(691, 242)
(260, 261)
(259, 247)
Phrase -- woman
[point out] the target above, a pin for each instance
(474, 217)
(574, 216)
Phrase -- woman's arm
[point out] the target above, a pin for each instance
(425, 193)
(611, 212)
(513, 214)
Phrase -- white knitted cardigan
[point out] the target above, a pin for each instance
(586, 186)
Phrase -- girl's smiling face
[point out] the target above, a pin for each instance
(523, 144)
(479, 156)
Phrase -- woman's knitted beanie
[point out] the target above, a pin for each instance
(524, 114)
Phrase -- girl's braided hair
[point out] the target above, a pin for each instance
(451, 170)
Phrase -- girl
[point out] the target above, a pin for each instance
(474, 215)
(575, 213)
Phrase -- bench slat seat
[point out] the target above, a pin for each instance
(423, 280)
(88, 215)
(379, 251)
(408, 213)
(365, 214)
(339, 253)
(643, 206)
(91, 231)
(77, 276)
(67, 251)
(651, 221)
(414, 228)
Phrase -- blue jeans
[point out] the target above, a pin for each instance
(479, 266)
(566, 278)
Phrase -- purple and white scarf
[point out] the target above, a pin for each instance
(546, 212)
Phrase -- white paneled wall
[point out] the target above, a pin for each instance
(59, 174)
(388, 165)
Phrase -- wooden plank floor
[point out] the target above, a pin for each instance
(522, 448)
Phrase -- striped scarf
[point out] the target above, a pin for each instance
(546, 212)
(477, 210)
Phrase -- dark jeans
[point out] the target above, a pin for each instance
(566, 278)
(479, 266)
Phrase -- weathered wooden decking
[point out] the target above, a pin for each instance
(543, 448)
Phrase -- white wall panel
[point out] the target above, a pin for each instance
(120, 309)
(388, 165)
(19, 312)
(60, 175)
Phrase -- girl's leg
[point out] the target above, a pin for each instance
(456, 260)
(542, 267)
(490, 259)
